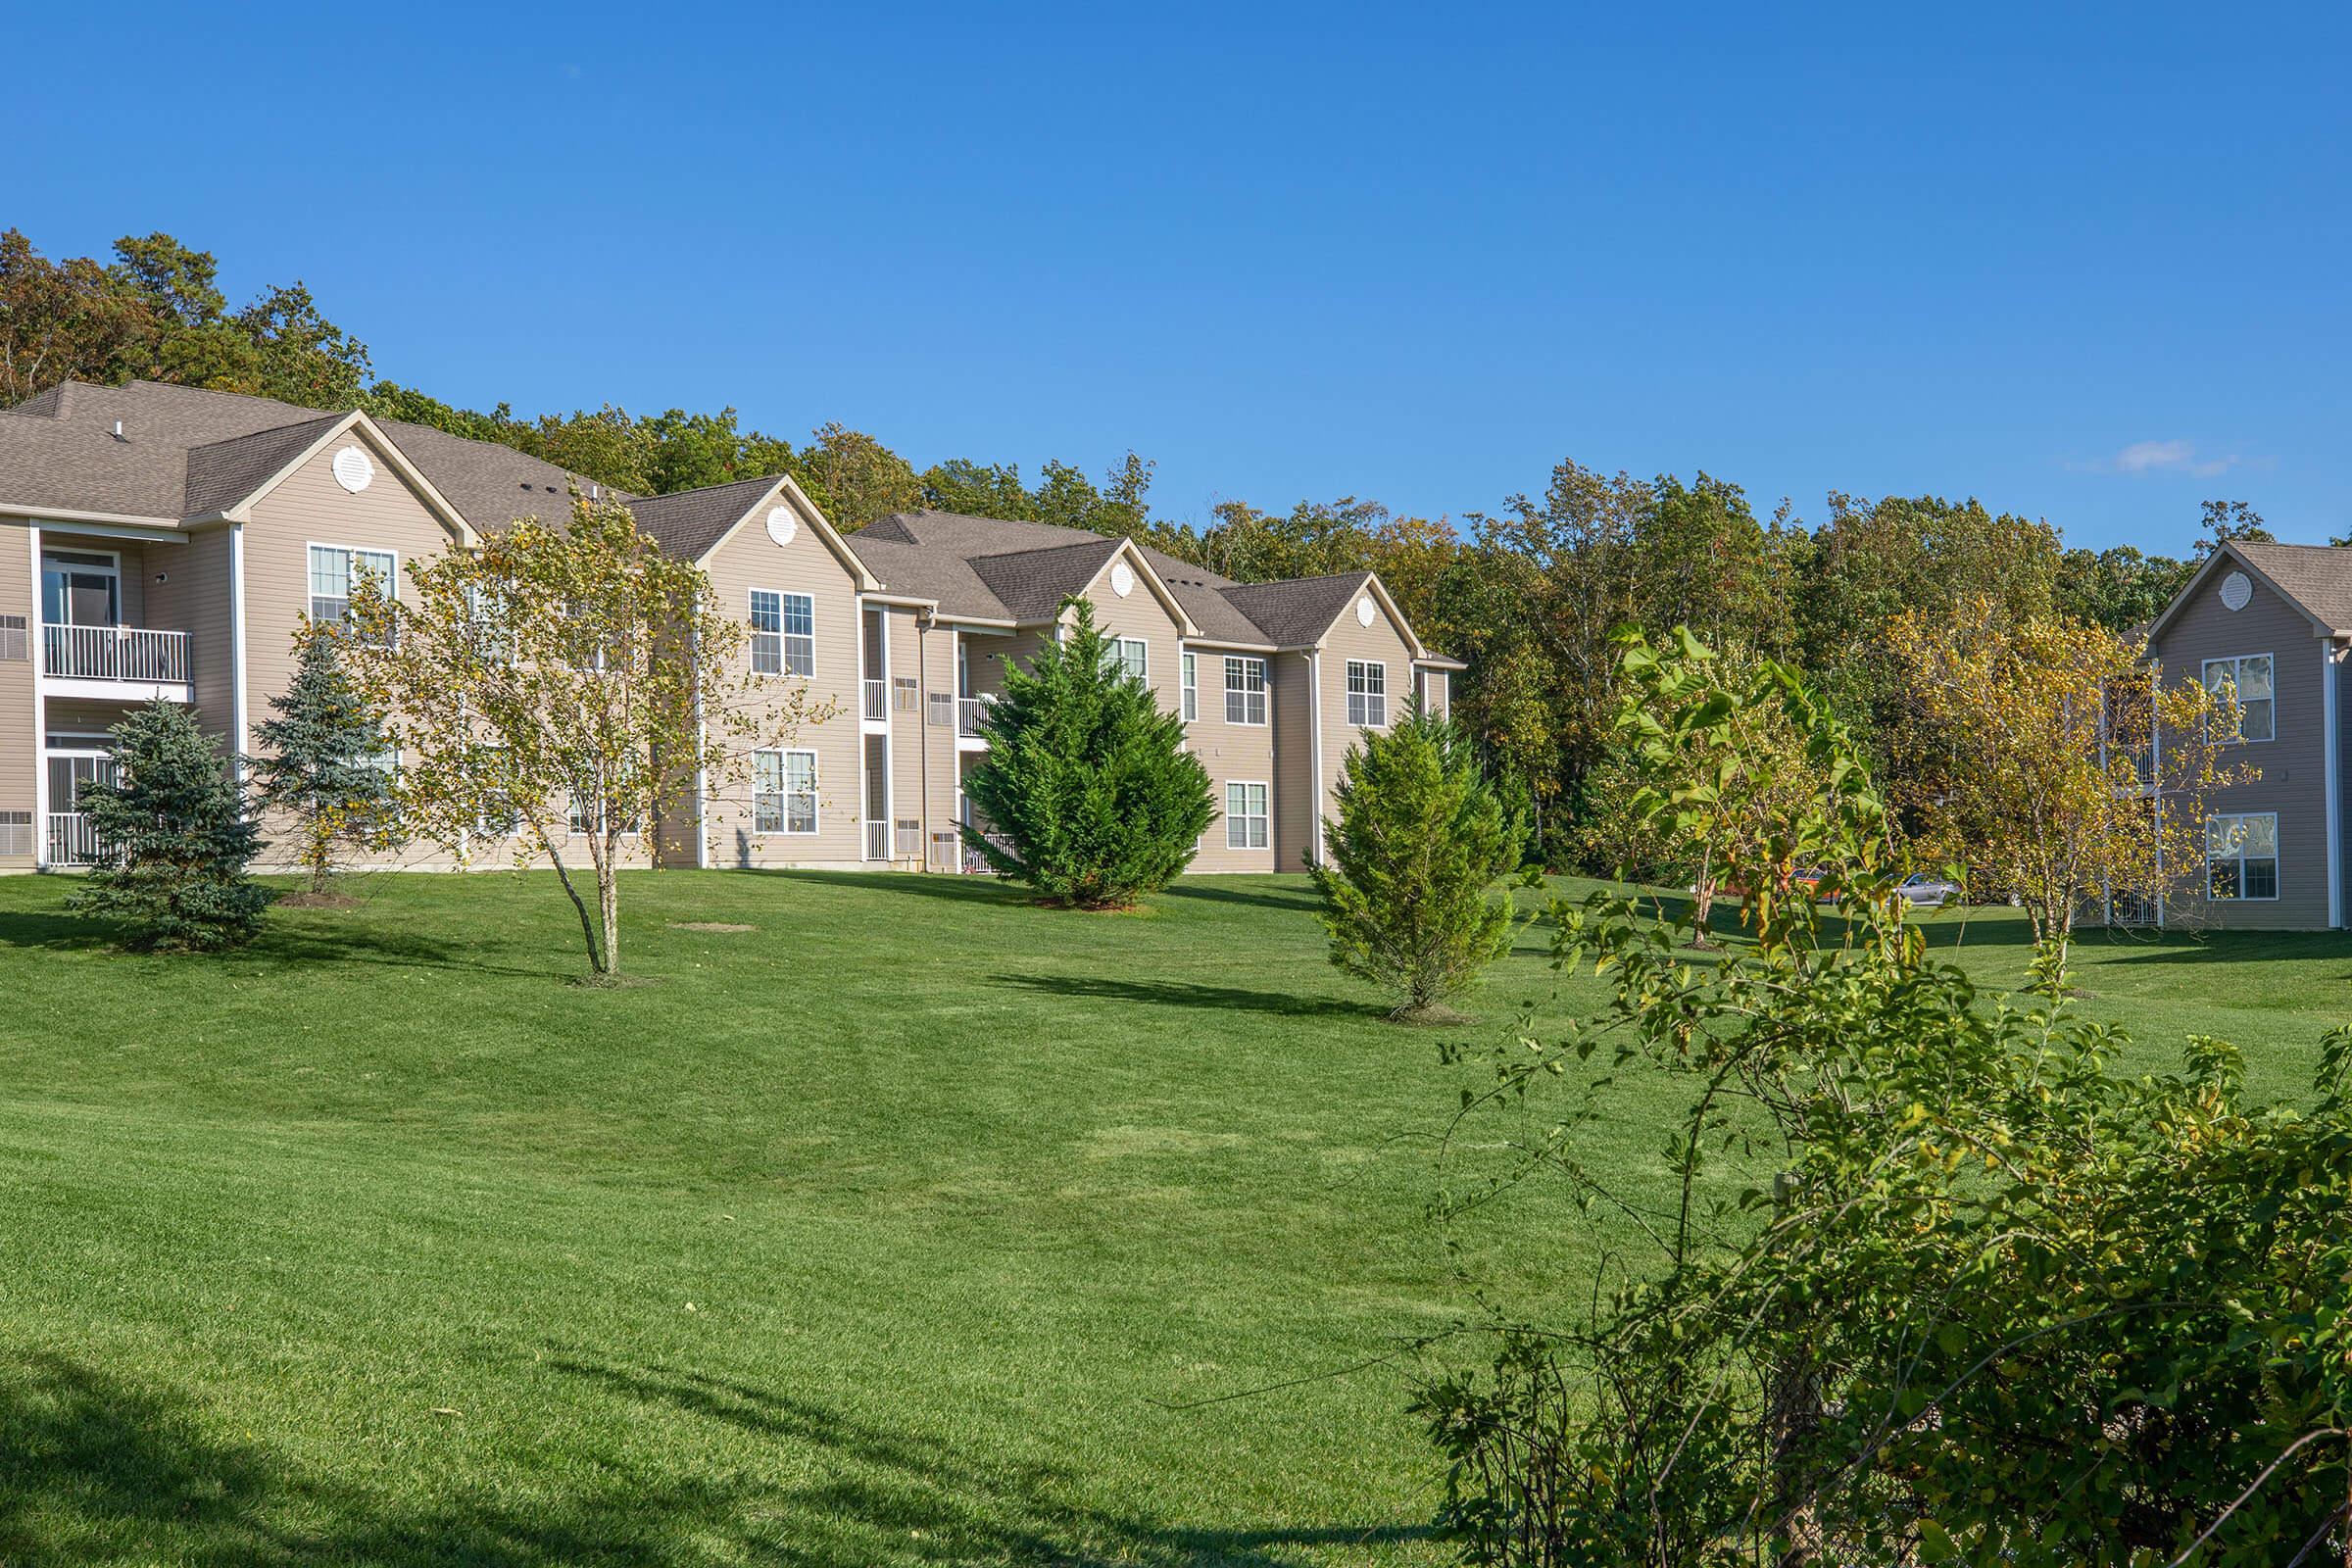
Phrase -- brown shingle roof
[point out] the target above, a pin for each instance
(221, 473)
(1298, 611)
(687, 524)
(1033, 583)
(2318, 577)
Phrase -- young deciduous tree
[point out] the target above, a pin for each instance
(173, 838)
(2032, 763)
(1418, 844)
(1088, 793)
(1728, 711)
(554, 689)
(322, 759)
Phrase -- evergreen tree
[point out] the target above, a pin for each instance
(1421, 836)
(1092, 797)
(320, 761)
(174, 839)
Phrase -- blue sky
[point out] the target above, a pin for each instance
(2088, 264)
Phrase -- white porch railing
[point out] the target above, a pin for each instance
(113, 653)
(877, 840)
(877, 699)
(969, 711)
(71, 839)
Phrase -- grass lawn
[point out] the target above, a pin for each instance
(897, 1229)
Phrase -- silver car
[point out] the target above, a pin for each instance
(1924, 892)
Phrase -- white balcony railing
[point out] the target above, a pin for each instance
(113, 653)
(969, 711)
(877, 840)
(877, 700)
(71, 839)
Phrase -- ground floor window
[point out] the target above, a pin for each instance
(784, 792)
(2242, 855)
(1246, 816)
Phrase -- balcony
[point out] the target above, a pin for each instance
(117, 661)
(876, 698)
(71, 839)
(969, 711)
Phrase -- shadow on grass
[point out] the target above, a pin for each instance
(1205, 890)
(322, 938)
(99, 1468)
(914, 884)
(1171, 994)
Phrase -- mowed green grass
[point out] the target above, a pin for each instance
(913, 1225)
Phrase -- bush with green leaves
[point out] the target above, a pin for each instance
(321, 759)
(1932, 1279)
(1089, 794)
(173, 838)
(1410, 864)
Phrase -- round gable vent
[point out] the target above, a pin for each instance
(783, 525)
(1365, 611)
(2236, 590)
(352, 471)
(1123, 581)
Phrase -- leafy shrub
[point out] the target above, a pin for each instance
(1937, 1283)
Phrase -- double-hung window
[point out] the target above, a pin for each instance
(333, 572)
(1367, 693)
(1245, 691)
(783, 633)
(1192, 687)
(1132, 656)
(1246, 818)
(2242, 855)
(784, 792)
(2246, 678)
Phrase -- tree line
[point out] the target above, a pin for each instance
(1529, 594)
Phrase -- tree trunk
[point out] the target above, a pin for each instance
(1702, 901)
(608, 900)
(596, 954)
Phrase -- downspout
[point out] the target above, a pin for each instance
(922, 732)
(1314, 753)
(236, 632)
(2335, 858)
(702, 770)
(40, 714)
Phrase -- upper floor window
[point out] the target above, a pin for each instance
(2247, 678)
(1245, 691)
(333, 573)
(1367, 693)
(2241, 856)
(783, 633)
(1133, 657)
(1192, 687)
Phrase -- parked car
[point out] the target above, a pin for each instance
(1924, 892)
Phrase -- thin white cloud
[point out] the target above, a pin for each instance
(2169, 457)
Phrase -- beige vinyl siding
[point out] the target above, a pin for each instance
(917, 653)
(1141, 615)
(308, 508)
(1296, 811)
(195, 598)
(19, 744)
(2293, 765)
(1237, 752)
(1382, 641)
(1437, 692)
(751, 560)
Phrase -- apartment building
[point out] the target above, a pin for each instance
(164, 541)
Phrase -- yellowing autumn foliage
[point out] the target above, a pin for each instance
(2035, 764)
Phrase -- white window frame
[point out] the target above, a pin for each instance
(312, 548)
(1190, 666)
(1239, 824)
(1242, 666)
(2241, 860)
(1141, 668)
(2237, 661)
(1367, 709)
(784, 793)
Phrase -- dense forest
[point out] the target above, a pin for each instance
(1529, 593)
